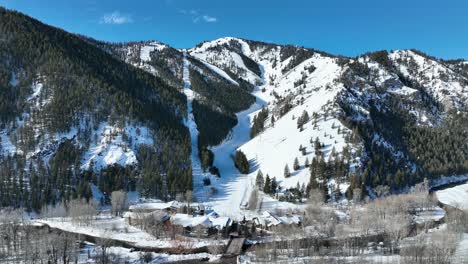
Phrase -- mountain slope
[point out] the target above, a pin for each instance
(358, 109)
(72, 111)
(78, 114)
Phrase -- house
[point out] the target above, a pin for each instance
(204, 225)
(269, 220)
(141, 218)
(169, 207)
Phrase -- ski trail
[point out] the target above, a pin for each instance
(233, 187)
(197, 171)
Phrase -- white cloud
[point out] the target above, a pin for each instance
(209, 19)
(116, 18)
(196, 16)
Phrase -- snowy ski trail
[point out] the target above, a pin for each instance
(233, 187)
(197, 171)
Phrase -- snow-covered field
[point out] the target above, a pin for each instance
(124, 255)
(115, 228)
(456, 196)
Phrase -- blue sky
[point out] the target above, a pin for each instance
(346, 27)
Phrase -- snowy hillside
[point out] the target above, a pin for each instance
(441, 82)
(303, 118)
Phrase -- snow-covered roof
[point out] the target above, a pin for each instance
(271, 219)
(155, 206)
(205, 221)
(157, 215)
(190, 221)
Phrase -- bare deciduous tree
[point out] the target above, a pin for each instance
(119, 202)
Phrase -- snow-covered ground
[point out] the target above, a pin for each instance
(90, 252)
(233, 187)
(115, 228)
(110, 147)
(145, 54)
(456, 196)
(461, 253)
(197, 171)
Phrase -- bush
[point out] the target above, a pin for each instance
(241, 162)
(206, 181)
(215, 171)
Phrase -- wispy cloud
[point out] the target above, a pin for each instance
(116, 18)
(209, 19)
(197, 16)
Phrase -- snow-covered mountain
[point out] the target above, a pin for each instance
(147, 117)
(340, 96)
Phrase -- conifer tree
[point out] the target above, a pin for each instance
(260, 182)
(287, 173)
(296, 165)
(267, 186)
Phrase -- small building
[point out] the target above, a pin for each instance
(202, 225)
(169, 207)
(143, 218)
(269, 220)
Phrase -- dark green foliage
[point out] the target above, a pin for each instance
(215, 171)
(259, 122)
(260, 181)
(116, 178)
(241, 162)
(436, 151)
(296, 165)
(213, 126)
(287, 172)
(83, 86)
(163, 60)
(303, 119)
(228, 97)
(206, 181)
(83, 76)
(267, 186)
(251, 65)
(298, 55)
(206, 157)
(382, 58)
(215, 112)
(274, 186)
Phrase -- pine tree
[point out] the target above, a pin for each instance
(267, 186)
(287, 173)
(241, 162)
(296, 165)
(274, 186)
(260, 182)
(307, 163)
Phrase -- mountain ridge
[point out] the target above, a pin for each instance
(381, 121)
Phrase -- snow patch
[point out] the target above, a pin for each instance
(111, 149)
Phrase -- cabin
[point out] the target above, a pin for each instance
(169, 207)
(202, 225)
(141, 218)
(269, 220)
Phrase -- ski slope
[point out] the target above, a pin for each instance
(197, 171)
(233, 187)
